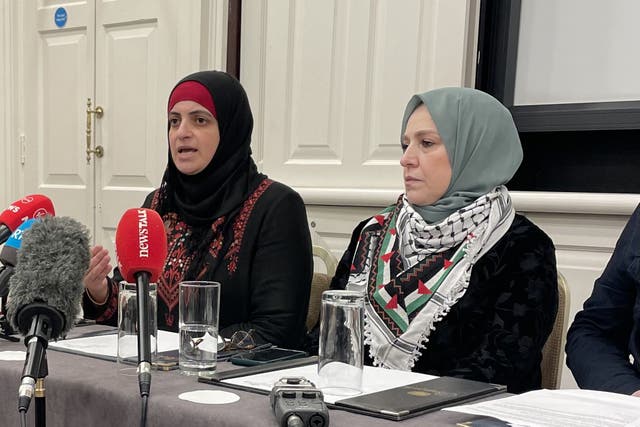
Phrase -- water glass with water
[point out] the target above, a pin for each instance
(198, 321)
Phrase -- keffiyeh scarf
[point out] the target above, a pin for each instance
(412, 272)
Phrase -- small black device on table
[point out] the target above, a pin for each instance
(296, 402)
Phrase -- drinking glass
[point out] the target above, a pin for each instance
(198, 322)
(340, 353)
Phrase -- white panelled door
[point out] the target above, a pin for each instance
(123, 55)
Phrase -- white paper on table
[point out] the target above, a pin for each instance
(107, 345)
(560, 408)
(373, 379)
(12, 355)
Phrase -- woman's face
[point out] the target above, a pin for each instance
(427, 171)
(193, 136)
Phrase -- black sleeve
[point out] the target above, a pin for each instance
(148, 199)
(343, 269)
(601, 337)
(106, 313)
(280, 275)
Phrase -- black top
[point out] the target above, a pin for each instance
(607, 330)
(262, 259)
(496, 331)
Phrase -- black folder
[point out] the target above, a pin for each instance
(415, 399)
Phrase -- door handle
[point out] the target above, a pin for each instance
(99, 150)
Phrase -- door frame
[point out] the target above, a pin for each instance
(9, 76)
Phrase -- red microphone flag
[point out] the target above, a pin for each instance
(141, 244)
(31, 206)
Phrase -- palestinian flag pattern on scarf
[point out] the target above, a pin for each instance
(411, 283)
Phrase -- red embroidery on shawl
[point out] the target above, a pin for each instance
(176, 265)
(422, 288)
(386, 257)
(240, 224)
(178, 262)
(393, 303)
(169, 318)
(218, 238)
(374, 271)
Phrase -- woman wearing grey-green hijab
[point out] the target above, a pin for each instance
(456, 282)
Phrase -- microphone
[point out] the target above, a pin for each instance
(9, 254)
(46, 289)
(141, 249)
(31, 206)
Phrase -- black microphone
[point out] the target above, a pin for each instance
(46, 289)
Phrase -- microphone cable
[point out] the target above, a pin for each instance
(143, 413)
(144, 379)
(23, 418)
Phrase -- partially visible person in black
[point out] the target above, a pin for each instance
(603, 342)
(225, 222)
(456, 283)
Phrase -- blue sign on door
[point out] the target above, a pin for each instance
(60, 17)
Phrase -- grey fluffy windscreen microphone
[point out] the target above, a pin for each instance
(52, 261)
(45, 291)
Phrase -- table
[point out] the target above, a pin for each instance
(85, 391)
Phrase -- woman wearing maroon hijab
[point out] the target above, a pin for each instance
(225, 222)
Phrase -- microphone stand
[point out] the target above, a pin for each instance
(144, 342)
(45, 323)
(39, 394)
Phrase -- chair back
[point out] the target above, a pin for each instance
(330, 261)
(553, 350)
(319, 284)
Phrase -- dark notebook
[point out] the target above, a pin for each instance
(416, 399)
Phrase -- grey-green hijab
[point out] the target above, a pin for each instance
(481, 140)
